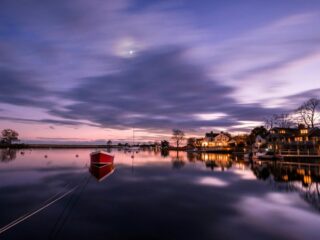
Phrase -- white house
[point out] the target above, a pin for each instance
(259, 141)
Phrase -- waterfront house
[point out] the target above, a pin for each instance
(295, 140)
(259, 142)
(215, 142)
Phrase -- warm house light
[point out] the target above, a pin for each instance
(304, 131)
(204, 144)
(300, 171)
(220, 140)
(307, 179)
(282, 131)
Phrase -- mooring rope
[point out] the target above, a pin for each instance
(61, 221)
(49, 199)
(28, 215)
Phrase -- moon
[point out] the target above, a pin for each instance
(126, 47)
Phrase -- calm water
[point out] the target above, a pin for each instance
(185, 196)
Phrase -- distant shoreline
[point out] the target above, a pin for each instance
(65, 146)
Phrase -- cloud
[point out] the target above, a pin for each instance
(72, 59)
(157, 89)
(48, 121)
(295, 100)
(272, 60)
(19, 88)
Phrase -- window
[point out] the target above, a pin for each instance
(282, 131)
(304, 131)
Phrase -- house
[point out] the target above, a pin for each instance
(259, 141)
(216, 140)
(299, 139)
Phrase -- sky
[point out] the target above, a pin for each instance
(91, 70)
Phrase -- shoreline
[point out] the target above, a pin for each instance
(62, 146)
(88, 146)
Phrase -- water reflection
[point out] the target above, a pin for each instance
(204, 202)
(7, 155)
(292, 176)
(212, 160)
(178, 160)
(101, 171)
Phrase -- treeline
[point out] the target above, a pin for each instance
(306, 114)
(8, 136)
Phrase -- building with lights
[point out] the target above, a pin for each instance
(295, 140)
(215, 142)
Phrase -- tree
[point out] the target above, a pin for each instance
(261, 131)
(191, 142)
(177, 136)
(308, 112)
(283, 120)
(9, 135)
(109, 143)
(270, 122)
(164, 145)
(165, 148)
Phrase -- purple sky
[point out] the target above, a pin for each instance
(88, 70)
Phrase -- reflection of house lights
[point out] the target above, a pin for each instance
(300, 171)
(307, 179)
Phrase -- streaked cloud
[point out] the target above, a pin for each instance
(156, 65)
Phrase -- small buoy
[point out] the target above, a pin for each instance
(45, 156)
(77, 155)
(132, 156)
(22, 153)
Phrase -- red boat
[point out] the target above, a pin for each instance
(101, 157)
(101, 171)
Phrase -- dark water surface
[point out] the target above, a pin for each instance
(189, 196)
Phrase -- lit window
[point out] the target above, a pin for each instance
(304, 131)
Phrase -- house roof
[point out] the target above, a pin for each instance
(211, 134)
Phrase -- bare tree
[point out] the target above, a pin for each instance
(270, 122)
(177, 136)
(308, 112)
(9, 135)
(284, 120)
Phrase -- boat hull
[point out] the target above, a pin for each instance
(101, 158)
